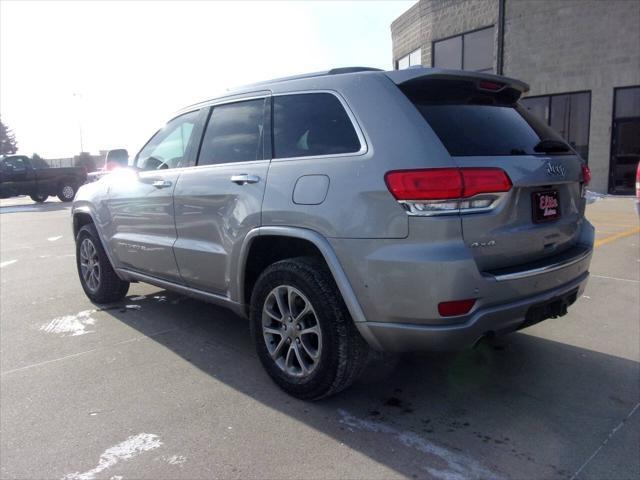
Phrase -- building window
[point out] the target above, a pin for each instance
(414, 58)
(625, 140)
(568, 114)
(468, 51)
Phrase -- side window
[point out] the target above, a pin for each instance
(311, 124)
(16, 164)
(235, 133)
(168, 147)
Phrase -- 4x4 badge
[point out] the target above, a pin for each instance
(555, 169)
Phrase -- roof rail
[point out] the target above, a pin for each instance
(338, 71)
(333, 71)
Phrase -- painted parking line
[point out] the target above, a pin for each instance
(617, 236)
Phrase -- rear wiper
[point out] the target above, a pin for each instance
(550, 146)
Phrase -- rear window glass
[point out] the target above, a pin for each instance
(473, 123)
(311, 124)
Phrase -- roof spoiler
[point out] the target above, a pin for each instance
(412, 75)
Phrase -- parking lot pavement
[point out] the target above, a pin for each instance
(162, 386)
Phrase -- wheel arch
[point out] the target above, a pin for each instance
(305, 240)
(83, 215)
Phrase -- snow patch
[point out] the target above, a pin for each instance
(133, 307)
(131, 447)
(593, 197)
(7, 263)
(458, 465)
(175, 459)
(53, 239)
(138, 298)
(71, 325)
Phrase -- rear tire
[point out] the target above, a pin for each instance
(324, 338)
(97, 277)
(67, 190)
(39, 198)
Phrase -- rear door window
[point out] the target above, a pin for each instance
(475, 123)
(235, 133)
(312, 124)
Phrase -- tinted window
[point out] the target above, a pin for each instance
(627, 102)
(168, 147)
(17, 164)
(537, 106)
(568, 114)
(485, 129)
(468, 51)
(448, 53)
(478, 50)
(312, 124)
(234, 133)
(570, 118)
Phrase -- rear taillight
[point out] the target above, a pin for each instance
(447, 190)
(586, 174)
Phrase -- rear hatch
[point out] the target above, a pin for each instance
(480, 123)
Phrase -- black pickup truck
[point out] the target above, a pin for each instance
(20, 175)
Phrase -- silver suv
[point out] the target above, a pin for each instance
(340, 211)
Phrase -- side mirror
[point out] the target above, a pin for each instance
(116, 158)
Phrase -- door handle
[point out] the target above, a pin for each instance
(161, 183)
(245, 178)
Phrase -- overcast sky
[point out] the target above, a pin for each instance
(132, 64)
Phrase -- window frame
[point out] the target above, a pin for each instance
(550, 103)
(612, 131)
(189, 152)
(408, 57)
(267, 136)
(462, 35)
(354, 123)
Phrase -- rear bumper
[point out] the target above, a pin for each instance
(495, 320)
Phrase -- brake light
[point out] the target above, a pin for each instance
(439, 191)
(456, 307)
(434, 184)
(489, 85)
(586, 174)
(484, 180)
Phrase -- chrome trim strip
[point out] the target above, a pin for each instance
(497, 199)
(541, 270)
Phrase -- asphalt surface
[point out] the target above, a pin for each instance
(163, 386)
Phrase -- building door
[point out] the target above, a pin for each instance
(625, 141)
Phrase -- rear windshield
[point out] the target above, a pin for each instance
(474, 123)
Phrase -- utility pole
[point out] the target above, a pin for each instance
(79, 97)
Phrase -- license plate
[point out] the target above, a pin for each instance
(546, 206)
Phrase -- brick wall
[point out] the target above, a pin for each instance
(430, 20)
(571, 45)
(557, 46)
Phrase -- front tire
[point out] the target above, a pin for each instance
(40, 198)
(302, 330)
(67, 191)
(97, 277)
